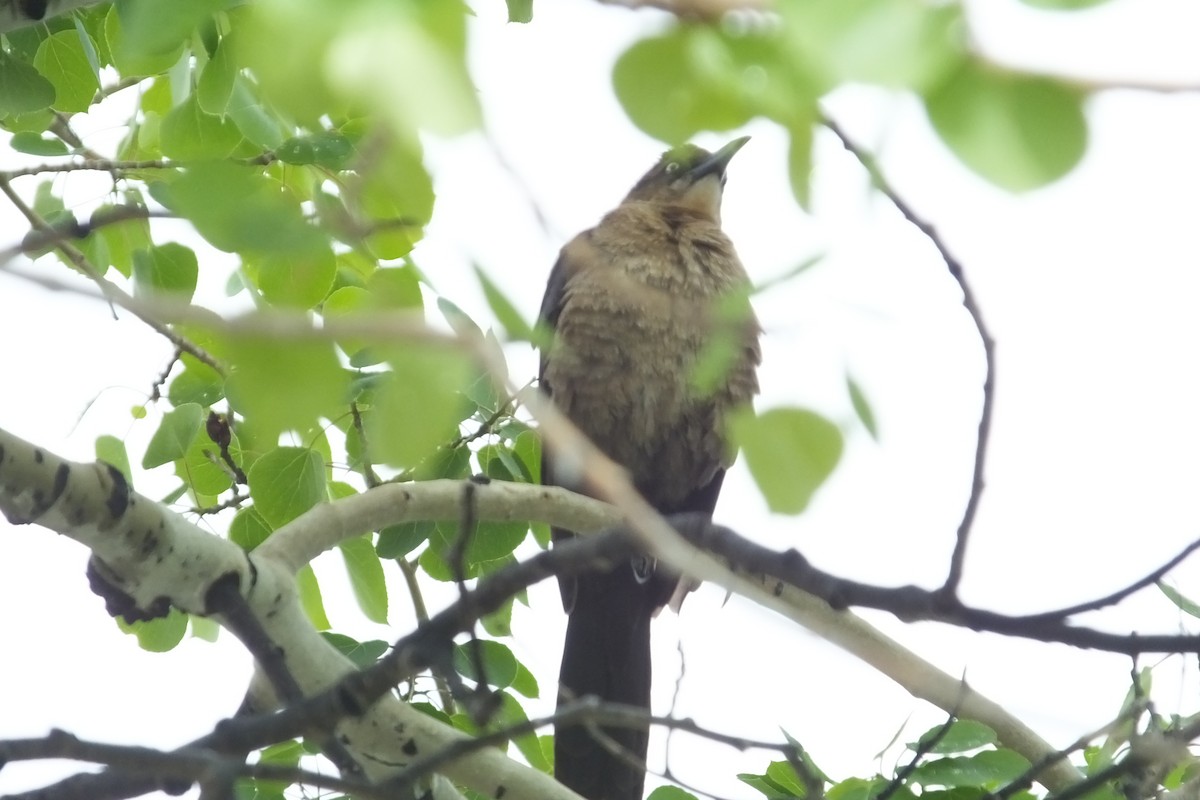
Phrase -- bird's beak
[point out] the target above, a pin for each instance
(716, 163)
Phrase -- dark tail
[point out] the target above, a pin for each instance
(606, 654)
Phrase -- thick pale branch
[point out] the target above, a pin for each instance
(155, 557)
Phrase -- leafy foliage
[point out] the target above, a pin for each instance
(288, 135)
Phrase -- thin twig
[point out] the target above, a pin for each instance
(954, 576)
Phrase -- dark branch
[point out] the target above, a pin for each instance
(954, 575)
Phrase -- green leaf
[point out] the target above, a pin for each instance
(22, 88)
(366, 577)
(296, 281)
(861, 789)
(165, 269)
(174, 435)
(286, 482)
(33, 144)
(363, 654)
(152, 27)
(988, 770)
(417, 406)
(310, 597)
(204, 628)
(894, 43)
(790, 453)
(862, 407)
(515, 327)
(409, 62)
(328, 149)
(397, 541)
(197, 383)
(252, 118)
(520, 10)
(499, 665)
(202, 469)
(215, 87)
(158, 635)
(187, 133)
(1183, 603)
(964, 735)
(800, 157)
(396, 197)
(682, 82)
(113, 244)
(1017, 131)
(248, 529)
(239, 209)
(511, 714)
(284, 384)
(63, 62)
(670, 793)
(111, 450)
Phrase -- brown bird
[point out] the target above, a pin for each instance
(639, 306)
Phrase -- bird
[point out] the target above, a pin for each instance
(634, 309)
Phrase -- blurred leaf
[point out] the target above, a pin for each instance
(285, 483)
(892, 43)
(366, 577)
(165, 269)
(158, 635)
(800, 144)
(989, 770)
(215, 87)
(204, 628)
(34, 145)
(174, 435)
(1183, 603)
(282, 384)
(111, 450)
(417, 406)
(188, 133)
(152, 27)
(294, 281)
(363, 654)
(964, 735)
(310, 598)
(520, 10)
(113, 244)
(61, 60)
(515, 327)
(395, 197)
(790, 453)
(681, 82)
(862, 407)
(498, 662)
(328, 149)
(197, 383)
(22, 87)
(251, 116)
(1017, 131)
(409, 62)
(238, 209)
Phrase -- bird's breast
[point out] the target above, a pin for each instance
(622, 367)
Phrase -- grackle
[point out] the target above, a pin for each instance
(639, 306)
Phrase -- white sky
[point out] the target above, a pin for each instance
(1089, 287)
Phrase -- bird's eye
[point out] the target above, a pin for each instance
(672, 167)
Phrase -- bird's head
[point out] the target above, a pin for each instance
(688, 176)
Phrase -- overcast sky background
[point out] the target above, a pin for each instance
(1089, 286)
